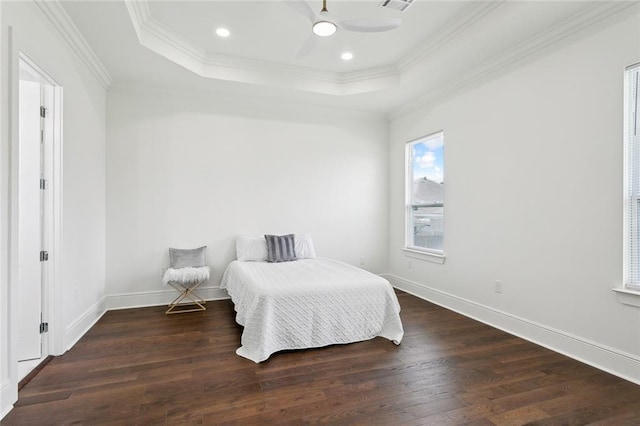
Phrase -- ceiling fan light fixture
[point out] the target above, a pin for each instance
(324, 28)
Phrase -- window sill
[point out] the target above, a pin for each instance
(628, 297)
(423, 255)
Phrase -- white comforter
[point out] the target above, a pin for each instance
(309, 303)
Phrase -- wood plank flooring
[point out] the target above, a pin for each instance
(140, 366)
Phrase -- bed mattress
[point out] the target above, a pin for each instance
(309, 303)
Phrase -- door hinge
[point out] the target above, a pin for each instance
(44, 327)
(43, 112)
(43, 184)
(44, 256)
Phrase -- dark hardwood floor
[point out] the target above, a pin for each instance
(141, 366)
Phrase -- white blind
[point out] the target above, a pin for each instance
(632, 176)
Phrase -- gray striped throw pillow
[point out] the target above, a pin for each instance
(280, 248)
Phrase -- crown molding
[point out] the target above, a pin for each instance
(256, 70)
(162, 40)
(453, 29)
(386, 71)
(499, 64)
(151, 30)
(70, 33)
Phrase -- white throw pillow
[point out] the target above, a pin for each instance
(251, 248)
(304, 247)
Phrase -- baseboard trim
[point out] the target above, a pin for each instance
(621, 364)
(25, 381)
(157, 298)
(80, 326)
(8, 396)
(84, 322)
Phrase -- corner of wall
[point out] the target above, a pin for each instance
(84, 322)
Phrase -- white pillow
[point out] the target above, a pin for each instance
(251, 248)
(304, 247)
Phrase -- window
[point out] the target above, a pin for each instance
(425, 194)
(632, 177)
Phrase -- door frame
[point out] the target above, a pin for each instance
(53, 341)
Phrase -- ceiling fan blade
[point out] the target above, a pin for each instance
(369, 25)
(303, 8)
(307, 47)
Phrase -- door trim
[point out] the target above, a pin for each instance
(53, 343)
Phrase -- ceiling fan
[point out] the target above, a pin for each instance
(323, 25)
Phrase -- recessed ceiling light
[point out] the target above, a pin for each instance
(324, 28)
(223, 32)
(347, 56)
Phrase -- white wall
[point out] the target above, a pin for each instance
(7, 393)
(533, 175)
(185, 171)
(82, 279)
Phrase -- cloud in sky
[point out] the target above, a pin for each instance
(434, 143)
(435, 174)
(426, 161)
(427, 158)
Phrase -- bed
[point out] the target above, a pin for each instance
(309, 303)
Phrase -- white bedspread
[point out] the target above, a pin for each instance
(309, 303)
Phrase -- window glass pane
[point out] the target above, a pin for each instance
(428, 227)
(425, 207)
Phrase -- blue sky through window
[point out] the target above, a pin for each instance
(428, 155)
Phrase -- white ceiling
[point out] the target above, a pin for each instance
(273, 32)
(440, 47)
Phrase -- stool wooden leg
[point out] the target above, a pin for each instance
(186, 292)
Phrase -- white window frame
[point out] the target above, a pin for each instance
(411, 250)
(631, 227)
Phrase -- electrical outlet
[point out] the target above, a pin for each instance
(497, 286)
(363, 261)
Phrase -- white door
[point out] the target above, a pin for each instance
(30, 217)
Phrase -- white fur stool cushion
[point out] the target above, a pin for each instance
(186, 275)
